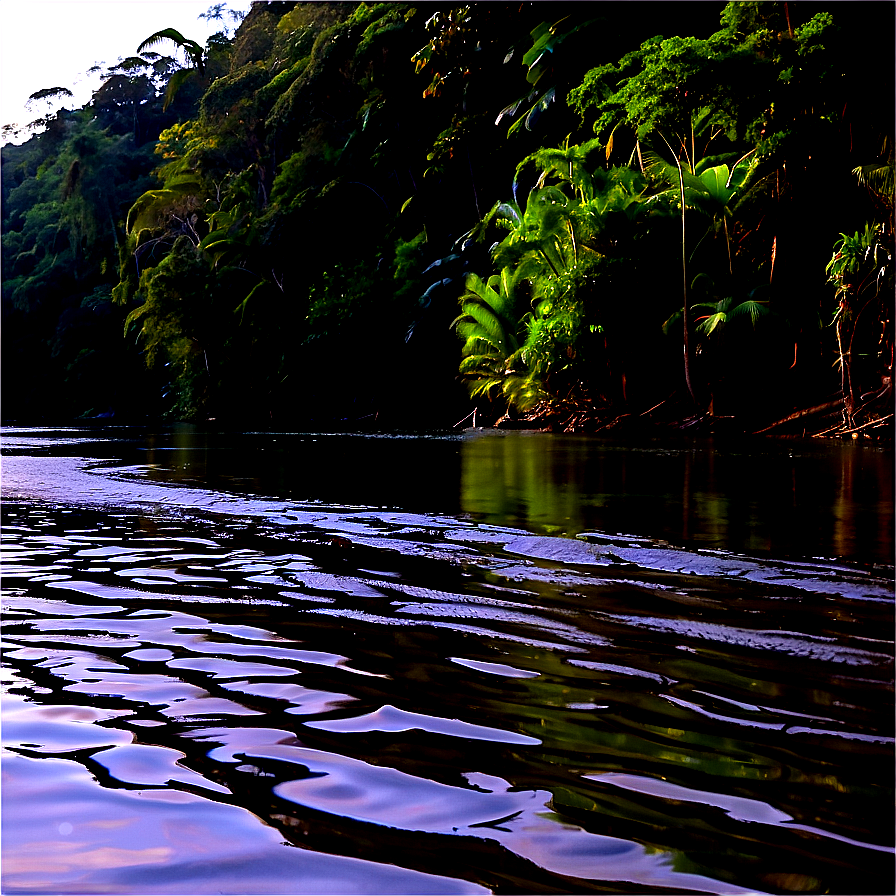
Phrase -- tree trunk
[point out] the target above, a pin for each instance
(849, 399)
(688, 355)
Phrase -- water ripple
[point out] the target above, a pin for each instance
(423, 703)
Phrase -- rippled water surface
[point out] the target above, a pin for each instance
(508, 663)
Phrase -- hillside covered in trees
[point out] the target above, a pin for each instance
(583, 216)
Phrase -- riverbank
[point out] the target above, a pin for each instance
(873, 420)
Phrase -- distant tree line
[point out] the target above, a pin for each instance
(583, 216)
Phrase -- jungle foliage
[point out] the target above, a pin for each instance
(574, 215)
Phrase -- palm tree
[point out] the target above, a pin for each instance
(714, 190)
(493, 361)
(710, 190)
(47, 95)
(552, 244)
(615, 195)
(718, 323)
(568, 163)
(194, 53)
(879, 178)
(540, 244)
(719, 315)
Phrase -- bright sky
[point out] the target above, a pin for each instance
(52, 43)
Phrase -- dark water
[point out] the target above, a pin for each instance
(510, 663)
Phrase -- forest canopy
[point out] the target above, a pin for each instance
(581, 216)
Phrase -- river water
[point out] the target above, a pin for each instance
(483, 662)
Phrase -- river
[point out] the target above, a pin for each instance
(445, 663)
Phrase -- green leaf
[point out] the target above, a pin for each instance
(170, 34)
(134, 316)
(489, 321)
(714, 320)
(753, 308)
(716, 182)
(175, 82)
(242, 305)
(144, 211)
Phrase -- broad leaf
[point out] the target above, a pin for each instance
(716, 182)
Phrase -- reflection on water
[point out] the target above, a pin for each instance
(280, 664)
(781, 498)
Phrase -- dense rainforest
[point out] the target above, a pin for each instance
(576, 216)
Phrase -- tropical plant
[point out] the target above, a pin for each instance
(713, 190)
(879, 178)
(721, 314)
(569, 164)
(193, 52)
(283, 168)
(861, 269)
(617, 201)
(48, 95)
(541, 64)
(540, 244)
(173, 325)
(493, 363)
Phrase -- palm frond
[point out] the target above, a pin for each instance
(193, 50)
(879, 178)
(659, 169)
(477, 339)
(712, 322)
(751, 307)
(480, 364)
(484, 386)
(144, 212)
(241, 308)
(175, 82)
(491, 324)
(134, 316)
(673, 320)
